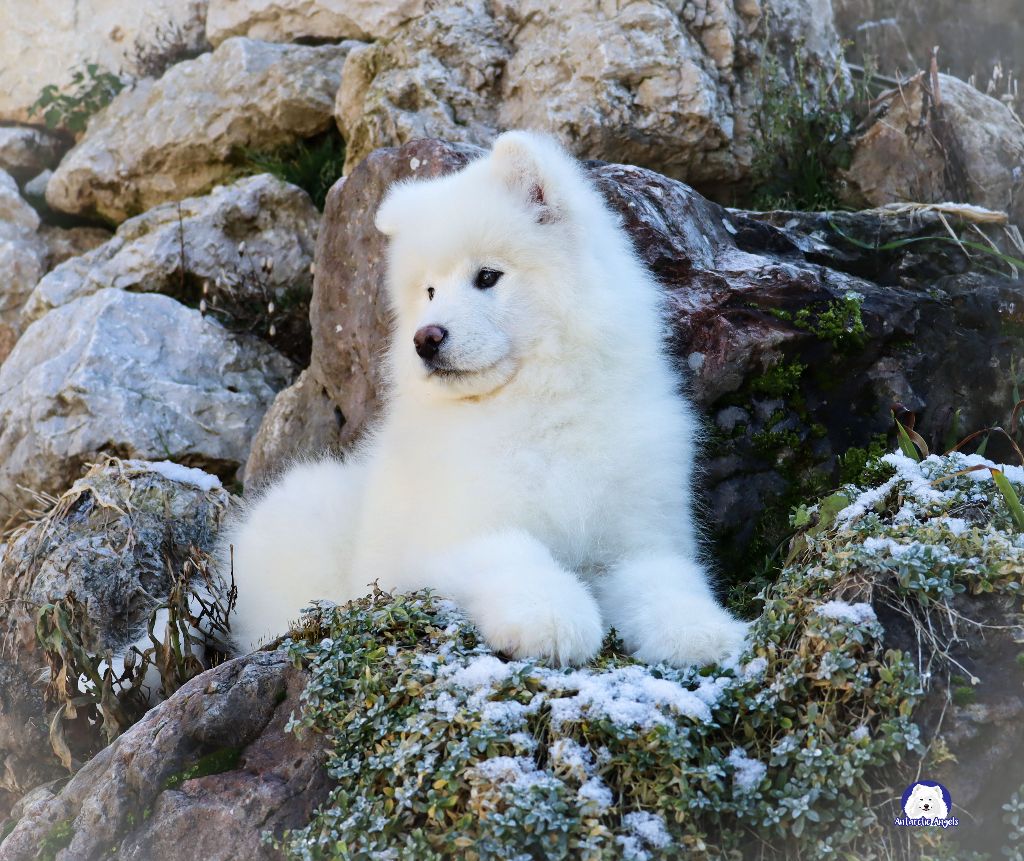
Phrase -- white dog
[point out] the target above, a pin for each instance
(535, 456)
(926, 802)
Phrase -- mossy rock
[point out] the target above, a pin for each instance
(799, 747)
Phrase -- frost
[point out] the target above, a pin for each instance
(748, 772)
(649, 827)
(857, 614)
(593, 793)
(630, 696)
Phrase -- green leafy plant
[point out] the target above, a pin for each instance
(92, 88)
(804, 120)
(442, 749)
(314, 164)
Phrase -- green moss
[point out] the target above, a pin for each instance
(963, 695)
(216, 762)
(840, 323)
(56, 839)
(854, 463)
(1020, 660)
(779, 381)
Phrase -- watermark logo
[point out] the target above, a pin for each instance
(927, 804)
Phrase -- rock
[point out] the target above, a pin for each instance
(793, 318)
(35, 189)
(222, 240)
(674, 89)
(63, 243)
(22, 259)
(45, 44)
(26, 152)
(301, 422)
(211, 769)
(133, 375)
(958, 145)
(290, 20)
(438, 77)
(109, 542)
(177, 136)
(975, 38)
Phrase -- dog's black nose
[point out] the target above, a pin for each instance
(428, 341)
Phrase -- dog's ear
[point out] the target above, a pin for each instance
(389, 213)
(529, 166)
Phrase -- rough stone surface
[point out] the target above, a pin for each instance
(439, 77)
(667, 85)
(936, 337)
(136, 375)
(44, 43)
(237, 710)
(221, 239)
(288, 20)
(22, 259)
(107, 541)
(301, 422)
(171, 138)
(63, 243)
(974, 38)
(26, 152)
(958, 145)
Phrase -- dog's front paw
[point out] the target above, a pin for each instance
(564, 629)
(694, 635)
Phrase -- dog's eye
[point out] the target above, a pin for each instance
(430, 292)
(486, 278)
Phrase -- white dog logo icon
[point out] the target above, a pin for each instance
(926, 802)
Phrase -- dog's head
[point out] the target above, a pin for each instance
(926, 802)
(481, 265)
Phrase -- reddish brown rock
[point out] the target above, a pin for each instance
(138, 798)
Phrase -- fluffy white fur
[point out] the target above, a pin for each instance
(926, 802)
(538, 471)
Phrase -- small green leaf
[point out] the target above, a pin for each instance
(1010, 495)
(906, 444)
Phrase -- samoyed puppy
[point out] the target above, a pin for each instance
(926, 802)
(534, 459)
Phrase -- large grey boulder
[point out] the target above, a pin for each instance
(137, 375)
(177, 136)
(45, 43)
(671, 86)
(23, 256)
(940, 140)
(222, 240)
(289, 20)
(113, 546)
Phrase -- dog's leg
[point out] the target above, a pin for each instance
(291, 545)
(524, 603)
(664, 610)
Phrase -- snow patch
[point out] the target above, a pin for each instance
(842, 611)
(748, 772)
(178, 473)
